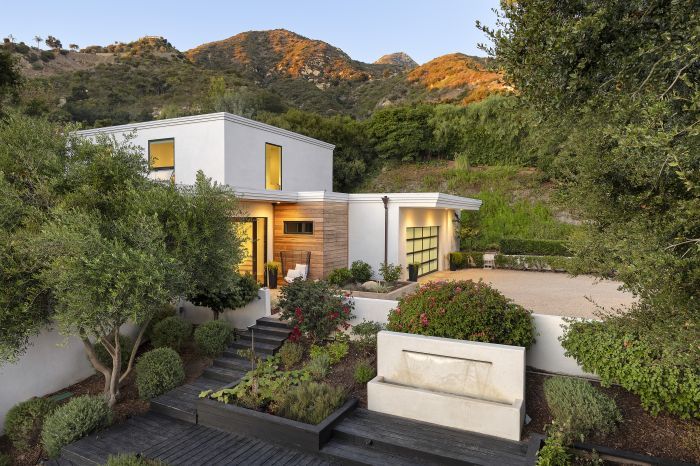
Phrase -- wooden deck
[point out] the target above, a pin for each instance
(178, 442)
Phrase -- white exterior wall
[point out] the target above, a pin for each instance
(443, 218)
(305, 166)
(239, 318)
(366, 232)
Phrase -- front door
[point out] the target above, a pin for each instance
(254, 233)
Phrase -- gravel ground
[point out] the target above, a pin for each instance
(547, 292)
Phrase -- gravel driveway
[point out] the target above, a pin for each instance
(547, 292)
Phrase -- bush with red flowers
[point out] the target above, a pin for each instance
(464, 310)
(315, 308)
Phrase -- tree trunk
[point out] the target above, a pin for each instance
(116, 369)
(92, 356)
(135, 348)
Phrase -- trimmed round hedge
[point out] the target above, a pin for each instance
(158, 371)
(74, 420)
(464, 310)
(213, 337)
(24, 421)
(171, 332)
(125, 346)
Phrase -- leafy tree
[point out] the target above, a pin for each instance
(402, 133)
(615, 86)
(54, 43)
(74, 47)
(10, 77)
(38, 40)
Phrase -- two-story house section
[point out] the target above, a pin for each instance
(285, 183)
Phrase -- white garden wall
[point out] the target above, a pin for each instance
(546, 354)
(239, 318)
(52, 362)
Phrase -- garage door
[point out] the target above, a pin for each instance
(422, 247)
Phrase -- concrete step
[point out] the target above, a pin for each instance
(267, 330)
(263, 348)
(236, 364)
(273, 322)
(273, 339)
(222, 374)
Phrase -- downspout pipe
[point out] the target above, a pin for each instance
(385, 200)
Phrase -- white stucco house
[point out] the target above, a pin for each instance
(285, 183)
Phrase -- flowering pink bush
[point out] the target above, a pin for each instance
(465, 310)
(315, 309)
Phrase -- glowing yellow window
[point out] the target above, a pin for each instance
(273, 166)
(161, 154)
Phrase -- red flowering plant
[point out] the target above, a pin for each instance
(464, 310)
(315, 309)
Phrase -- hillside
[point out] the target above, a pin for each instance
(278, 65)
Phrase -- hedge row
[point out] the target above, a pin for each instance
(464, 260)
(534, 247)
(538, 263)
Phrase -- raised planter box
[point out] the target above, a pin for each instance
(607, 454)
(232, 418)
(407, 288)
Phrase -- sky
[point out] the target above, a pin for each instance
(364, 29)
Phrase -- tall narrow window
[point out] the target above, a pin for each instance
(273, 166)
(161, 158)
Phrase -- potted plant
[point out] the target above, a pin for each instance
(413, 271)
(271, 271)
(456, 261)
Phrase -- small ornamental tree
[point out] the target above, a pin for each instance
(315, 308)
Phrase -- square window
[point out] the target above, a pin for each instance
(161, 154)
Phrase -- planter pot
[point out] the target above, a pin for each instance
(453, 266)
(234, 419)
(412, 273)
(271, 278)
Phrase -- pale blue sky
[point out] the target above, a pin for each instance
(363, 29)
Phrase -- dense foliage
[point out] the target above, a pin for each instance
(361, 271)
(364, 372)
(627, 350)
(158, 371)
(315, 308)
(125, 347)
(339, 277)
(464, 310)
(290, 354)
(534, 247)
(390, 273)
(171, 332)
(74, 420)
(616, 85)
(576, 404)
(311, 402)
(213, 337)
(366, 333)
(24, 421)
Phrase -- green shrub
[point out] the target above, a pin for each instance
(554, 451)
(361, 271)
(621, 351)
(213, 337)
(290, 354)
(315, 308)
(465, 310)
(336, 351)
(125, 347)
(158, 371)
(467, 259)
(340, 277)
(165, 311)
(24, 421)
(131, 459)
(534, 247)
(577, 403)
(364, 372)
(366, 333)
(390, 273)
(5, 460)
(74, 420)
(311, 402)
(171, 332)
(319, 366)
(538, 263)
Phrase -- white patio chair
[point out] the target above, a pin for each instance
(489, 260)
(299, 270)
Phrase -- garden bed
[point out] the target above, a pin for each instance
(237, 419)
(394, 291)
(129, 404)
(663, 436)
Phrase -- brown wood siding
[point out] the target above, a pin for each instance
(329, 242)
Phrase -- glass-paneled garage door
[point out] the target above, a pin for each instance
(422, 247)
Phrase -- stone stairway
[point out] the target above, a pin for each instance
(267, 335)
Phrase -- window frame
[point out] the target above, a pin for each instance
(265, 171)
(150, 168)
(424, 265)
(286, 231)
